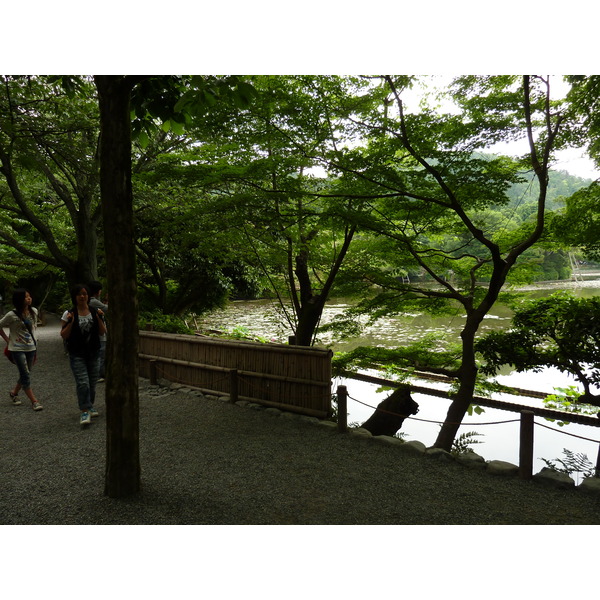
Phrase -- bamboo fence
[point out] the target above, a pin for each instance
(293, 378)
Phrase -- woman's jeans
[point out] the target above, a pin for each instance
(101, 359)
(85, 370)
(24, 362)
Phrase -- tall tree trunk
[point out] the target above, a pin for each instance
(122, 401)
(308, 320)
(309, 307)
(464, 396)
(87, 252)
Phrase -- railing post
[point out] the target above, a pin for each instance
(153, 375)
(233, 386)
(526, 445)
(342, 405)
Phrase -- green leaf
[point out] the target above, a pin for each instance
(177, 128)
(143, 139)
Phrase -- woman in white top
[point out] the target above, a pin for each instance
(22, 346)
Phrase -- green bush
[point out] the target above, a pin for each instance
(163, 323)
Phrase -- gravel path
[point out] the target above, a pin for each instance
(205, 461)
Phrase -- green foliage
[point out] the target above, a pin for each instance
(163, 323)
(188, 256)
(474, 409)
(243, 333)
(400, 362)
(174, 102)
(574, 462)
(49, 173)
(561, 185)
(579, 223)
(225, 152)
(462, 444)
(568, 400)
(559, 331)
(584, 98)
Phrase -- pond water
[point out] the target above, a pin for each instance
(498, 430)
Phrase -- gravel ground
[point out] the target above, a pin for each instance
(205, 461)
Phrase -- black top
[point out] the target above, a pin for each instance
(85, 336)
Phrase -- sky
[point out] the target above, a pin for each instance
(575, 162)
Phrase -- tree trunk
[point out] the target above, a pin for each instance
(464, 396)
(87, 254)
(310, 306)
(308, 320)
(82, 271)
(456, 413)
(122, 401)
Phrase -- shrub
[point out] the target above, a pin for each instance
(163, 323)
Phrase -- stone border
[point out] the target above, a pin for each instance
(546, 476)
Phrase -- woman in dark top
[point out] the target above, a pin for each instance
(82, 328)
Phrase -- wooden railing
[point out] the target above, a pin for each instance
(526, 413)
(293, 378)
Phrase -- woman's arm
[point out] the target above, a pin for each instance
(6, 320)
(101, 323)
(65, 332)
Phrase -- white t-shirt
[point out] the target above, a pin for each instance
(85, 323)
(20, 340)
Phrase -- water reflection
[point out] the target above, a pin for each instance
(263, 318)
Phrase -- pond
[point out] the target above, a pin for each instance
(498, 430)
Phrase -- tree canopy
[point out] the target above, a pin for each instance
(559, 331)
(430, 195)
(49, 194)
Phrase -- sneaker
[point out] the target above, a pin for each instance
(85, 418)
(15, 399)
(93, 412)
(36, 405)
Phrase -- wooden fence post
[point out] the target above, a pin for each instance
(233, 386)
(526, 445)
(342, 406)
(153, 375)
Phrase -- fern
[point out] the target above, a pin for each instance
(462, 442)
(574, 462)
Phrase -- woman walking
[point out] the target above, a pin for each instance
(21, 343)
(82, 327)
